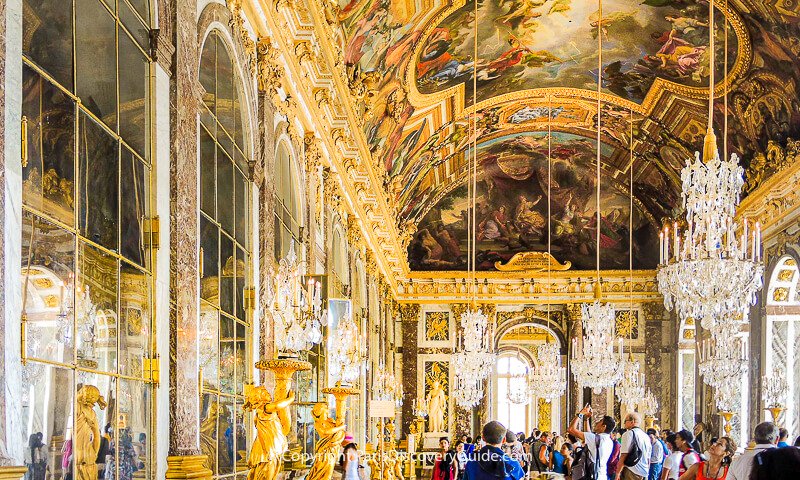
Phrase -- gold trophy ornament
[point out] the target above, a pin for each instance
(87, 432)
(331, 434)
(270, 444)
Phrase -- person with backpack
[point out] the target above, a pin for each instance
(684, 440)
(613, 460)
(590, 462)
(634, 458)
(658, 455)
(540, 453)
(490, 463)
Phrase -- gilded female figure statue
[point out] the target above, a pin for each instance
(267, 452)
(331, 433)
(436, 406)
(87, 432)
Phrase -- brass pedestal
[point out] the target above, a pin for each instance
(188, 467)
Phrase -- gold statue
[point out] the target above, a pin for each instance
(208, 436)
(436, 406)
(331, 433)
(397, 464)
(87, 432)
(267, 452)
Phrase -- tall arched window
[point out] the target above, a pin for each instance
(513, 415)
(87, 262)
(226, 261)
(288, 217)
(783, 337)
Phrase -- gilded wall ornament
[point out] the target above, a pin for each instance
(437, 326)
(627, 323)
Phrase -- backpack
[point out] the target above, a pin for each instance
(635, 451)
(683, 466)
(584, 467)
(613, 459)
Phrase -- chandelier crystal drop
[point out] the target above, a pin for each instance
(706, 272)
(548, 379)
(723, 359)
(296, 309)
(467, 392)
(594, 363)
(346, 352)
(630, 390)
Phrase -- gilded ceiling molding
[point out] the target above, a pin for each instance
(236, 23)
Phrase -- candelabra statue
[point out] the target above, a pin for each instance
(331, 433)
(267, 451)
(87, 432)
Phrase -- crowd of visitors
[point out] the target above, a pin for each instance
(604, 451)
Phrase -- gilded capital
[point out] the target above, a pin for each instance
(270, 72)
(409, 312)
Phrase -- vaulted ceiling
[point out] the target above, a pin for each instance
(536, 69)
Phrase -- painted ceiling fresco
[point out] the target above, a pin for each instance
(524, 44)
(514, 212)
(537, 70)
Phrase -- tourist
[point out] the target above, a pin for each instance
(716, 467)
(673, 462)
(444, 468)
(469, 447)
(776, 464)
(597, 442)
(461, 459)
(634, 459)
(797, 441)
(766, 437)
(540, 453)
(684, 440)
(783, 435)
(490, 463)
(350, 461)
(561, 450)
(613, 460)
(657, 455)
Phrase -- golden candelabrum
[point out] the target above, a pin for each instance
(387, 464)
(331, 432)
(726, 416)
(649, 422)
(776, 413)
(271, 417)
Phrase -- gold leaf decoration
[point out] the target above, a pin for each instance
(627, 323)
(437, 326)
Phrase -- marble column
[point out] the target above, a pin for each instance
(409, 314)
(11, 436)
(657, 364)
(574, 330)
(185, 460)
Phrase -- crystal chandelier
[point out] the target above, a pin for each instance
(385, 386)
(474, 361)
(594, 362)
(726, 394)
(774, 390)
(346, 353)
(420, 407)
(723, 360)
(468, 391)
(630, 390)
(706, 272)
(296, 309)
(648, 405)
(518, 387)
(548, 378)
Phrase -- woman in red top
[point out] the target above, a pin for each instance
(444, 468)
(716, 467)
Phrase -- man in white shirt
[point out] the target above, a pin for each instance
(766, 437)
(657, 455)
(635, 435)
(598, 442)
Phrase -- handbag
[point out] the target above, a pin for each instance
(635, 452)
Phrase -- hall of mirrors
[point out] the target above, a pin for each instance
(241, 235)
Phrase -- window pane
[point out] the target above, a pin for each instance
(96, 71)
(135, 321)
(207, 174)
(134, 207)
(96, 309)
(209, 346)
(133, 103)
(240, 356)
(241, 207)
(208, 430)
(134, 429)
(140, 32)
(240, 275)
(240, 447)
(225, 432)
(98, 188)
(49, 289)
(208, 70)
(47, 38)
(225, 76)
(226, 280)
(209, 242)
(225, 191)
(227, 354)
(49, 176)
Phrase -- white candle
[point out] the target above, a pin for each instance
(661, 248)
(744, 240)
(675, 238)
(758, 241)
(666, 244)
